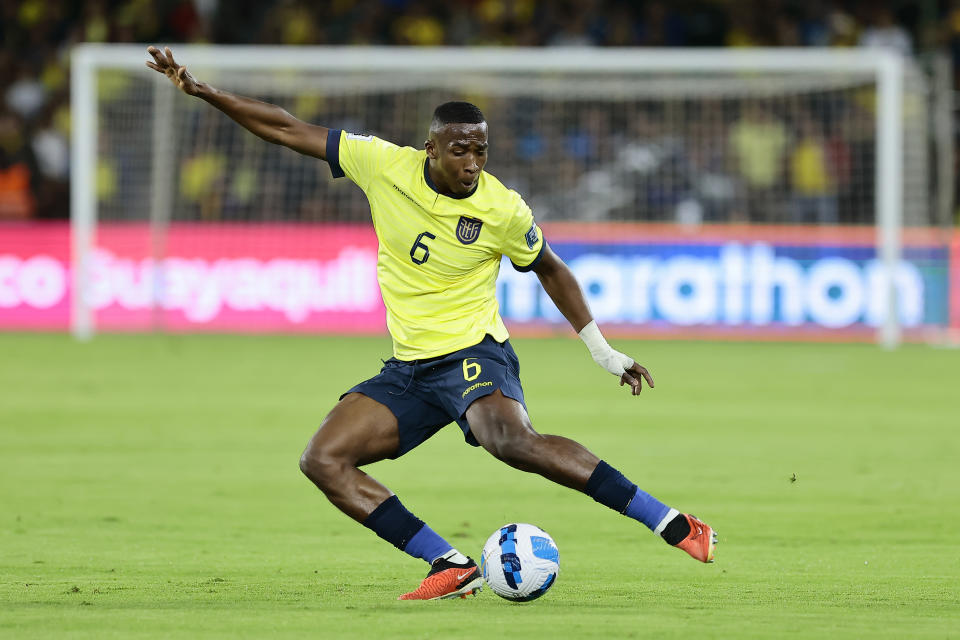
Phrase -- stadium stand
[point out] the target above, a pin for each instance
(820, 167)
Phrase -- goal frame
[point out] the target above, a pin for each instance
(887, 68)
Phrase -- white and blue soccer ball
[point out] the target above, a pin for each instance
(520, 562)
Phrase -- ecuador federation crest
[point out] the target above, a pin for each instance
(468, 229)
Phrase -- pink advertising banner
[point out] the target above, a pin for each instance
(34, 276)
(301, 278)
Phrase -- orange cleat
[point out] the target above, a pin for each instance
(447, 580)
(701, 540)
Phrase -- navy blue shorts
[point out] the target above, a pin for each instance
(427, 395)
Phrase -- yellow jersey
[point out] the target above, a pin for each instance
(439, 256)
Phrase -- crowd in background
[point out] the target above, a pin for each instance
(36, 36)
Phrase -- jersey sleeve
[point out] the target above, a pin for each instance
(357, 157)
(523, 242)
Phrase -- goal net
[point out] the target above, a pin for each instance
(802, 147)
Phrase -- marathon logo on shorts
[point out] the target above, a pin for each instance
(468, 230)
(475, 387)
(532, 236)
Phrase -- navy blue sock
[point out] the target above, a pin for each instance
(392, 522)
(609, 487)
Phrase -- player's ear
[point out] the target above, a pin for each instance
(430, 148)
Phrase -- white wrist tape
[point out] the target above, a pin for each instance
(602, 353)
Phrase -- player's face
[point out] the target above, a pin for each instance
(457, 155)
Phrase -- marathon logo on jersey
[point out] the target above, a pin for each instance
(468, 229)
(532, 236)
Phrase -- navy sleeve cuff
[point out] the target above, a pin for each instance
(333, 153)
(536, 261)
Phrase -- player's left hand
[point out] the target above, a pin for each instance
(622, 366)
(634, 376)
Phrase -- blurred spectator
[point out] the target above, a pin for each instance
(576, 25)
(96, 22)
(419, 26)
(786, 30)
(814, 195)
(758, 141)
(842, 27)
(883, 32)
(744, 30)
(814, 24)
(951, 37)
(293, 23)
(714, 190)
(201, 183)
(50, 146)
(17, 170)
(659, 27)
(840, 160)
(26, 95)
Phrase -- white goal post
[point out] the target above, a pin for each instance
(885, 69)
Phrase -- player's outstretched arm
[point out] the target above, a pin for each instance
(267, 121)
(562, 287)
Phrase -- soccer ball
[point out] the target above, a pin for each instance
(520, 562)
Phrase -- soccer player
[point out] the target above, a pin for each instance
(443, 224)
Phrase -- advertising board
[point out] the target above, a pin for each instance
(764, 282)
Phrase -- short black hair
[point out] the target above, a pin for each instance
(456, 112)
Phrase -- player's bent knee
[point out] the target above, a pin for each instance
(322, 469)
(306, 464)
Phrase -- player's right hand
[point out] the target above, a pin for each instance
(165, 64)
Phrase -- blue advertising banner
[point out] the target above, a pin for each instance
(747, 286)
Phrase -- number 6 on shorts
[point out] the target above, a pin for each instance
(470, 369)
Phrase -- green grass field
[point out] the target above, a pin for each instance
(149, 487)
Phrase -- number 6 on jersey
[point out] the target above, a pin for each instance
(418, 244)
